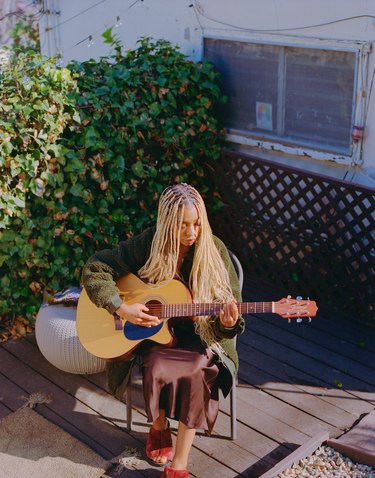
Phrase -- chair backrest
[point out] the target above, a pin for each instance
(238, 267)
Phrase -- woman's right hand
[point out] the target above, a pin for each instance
(137, 314)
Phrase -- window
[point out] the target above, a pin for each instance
(289, 94)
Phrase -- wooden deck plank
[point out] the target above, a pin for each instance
(290, 393)
(304, 371)
(356, 334)
(360, 375)
(347, 406)
(264, 423)
(4, 410)
(273, 417)
(329, 340)
(300, 397)
(12, 396)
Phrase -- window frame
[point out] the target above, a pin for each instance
(271, 142)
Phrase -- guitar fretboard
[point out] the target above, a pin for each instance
(188, 310)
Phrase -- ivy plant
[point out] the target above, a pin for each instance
(34, 111)
(86, 152)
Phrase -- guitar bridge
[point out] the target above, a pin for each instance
(117, 320)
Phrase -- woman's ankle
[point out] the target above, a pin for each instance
(160, 424)
(178, 464)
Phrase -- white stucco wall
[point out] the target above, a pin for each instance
(185, 22)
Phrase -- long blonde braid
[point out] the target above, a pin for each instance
(209, 279)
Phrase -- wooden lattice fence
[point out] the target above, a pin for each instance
(311, 235)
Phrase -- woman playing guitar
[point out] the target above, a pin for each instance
(181, 381)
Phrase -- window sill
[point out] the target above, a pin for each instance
(270, 145)
(328, 168)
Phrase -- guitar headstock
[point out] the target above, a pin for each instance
(297, 308)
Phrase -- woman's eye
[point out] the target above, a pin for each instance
(184, 226)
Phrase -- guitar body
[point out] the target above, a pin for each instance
(96, 327)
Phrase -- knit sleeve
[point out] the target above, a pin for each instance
(105, 267)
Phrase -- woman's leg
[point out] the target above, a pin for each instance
(185, 438)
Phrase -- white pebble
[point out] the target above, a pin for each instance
(326, 462)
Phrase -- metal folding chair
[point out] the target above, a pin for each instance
(232, 395)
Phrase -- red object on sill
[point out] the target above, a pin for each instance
(358, 133)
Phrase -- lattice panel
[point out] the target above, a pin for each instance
(313, 235)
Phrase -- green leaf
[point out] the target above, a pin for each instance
(27, 111)
(108, 36)
(154, 109)
(76, 117)
(5, 107)
(7, 147)
(77, 190)
(138, 169)
(102, 90)
(90, 137)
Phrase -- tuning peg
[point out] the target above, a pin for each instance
(289, 321)
(309, 319)
(299, 297)
(288, 296)
(299, 320)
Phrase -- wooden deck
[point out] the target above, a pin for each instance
(295, 380)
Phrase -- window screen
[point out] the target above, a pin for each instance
(300, 95)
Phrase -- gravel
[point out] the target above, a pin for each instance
(326, 462)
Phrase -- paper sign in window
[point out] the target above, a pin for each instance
(264, 115)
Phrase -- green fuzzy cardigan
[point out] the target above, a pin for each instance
(104, 267)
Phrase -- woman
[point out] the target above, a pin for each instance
(179, 382)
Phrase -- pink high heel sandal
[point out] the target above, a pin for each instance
(159, 445)
(172, 473)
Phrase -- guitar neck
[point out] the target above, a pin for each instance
(189, 310)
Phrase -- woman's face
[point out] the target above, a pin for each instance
(190, 226)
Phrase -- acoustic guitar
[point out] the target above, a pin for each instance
(98, 334)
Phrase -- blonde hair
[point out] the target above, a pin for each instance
(209, 278)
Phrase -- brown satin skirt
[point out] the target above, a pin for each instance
(182, 380)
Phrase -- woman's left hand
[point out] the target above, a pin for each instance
(229, 315)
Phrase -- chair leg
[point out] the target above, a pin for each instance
(233, 411)
(129, 406)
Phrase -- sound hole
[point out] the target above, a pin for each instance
(155, 308)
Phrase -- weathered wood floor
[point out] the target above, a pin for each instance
(295, 380)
